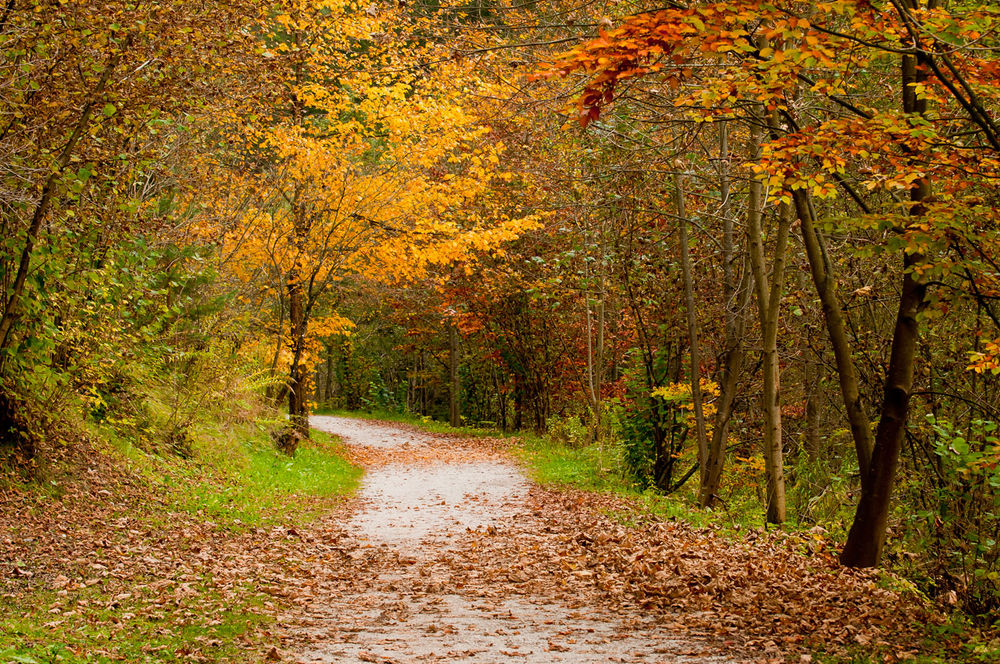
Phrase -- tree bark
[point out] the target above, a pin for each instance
(768, 305)
(833, 316)
(811, 372)
(867, 535)
(330, 378)
(455, 416)
(298, 413)
(692, 316)
(736, 298)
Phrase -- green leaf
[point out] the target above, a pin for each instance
(109, 109)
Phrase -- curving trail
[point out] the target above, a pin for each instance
(425, 575)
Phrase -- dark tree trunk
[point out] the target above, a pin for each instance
(454, 413)
(833, 316)
(701, 438)
(867, 535)
(330, 377)
(298, 414)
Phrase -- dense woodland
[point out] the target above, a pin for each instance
(748, 250)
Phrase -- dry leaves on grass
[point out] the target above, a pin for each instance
(759, 595)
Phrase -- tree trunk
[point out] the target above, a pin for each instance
(595, 348)
(423, 384)
(811, 371)
(768, 306)
(330, 378)
(692, 316)
(833, 315)
(736, 298)
(867, 534)
(455, 417)
(298, 414)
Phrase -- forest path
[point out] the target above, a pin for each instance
(447, 558)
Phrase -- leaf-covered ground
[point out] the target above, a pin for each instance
(108, 569)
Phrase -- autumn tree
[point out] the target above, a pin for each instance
(760, 47)
(370, 161)
(94, 108)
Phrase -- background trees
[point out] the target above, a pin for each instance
(857, 154)
(748, 250)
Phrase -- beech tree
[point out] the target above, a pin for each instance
(370, 160)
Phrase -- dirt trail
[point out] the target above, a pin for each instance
(418, 584)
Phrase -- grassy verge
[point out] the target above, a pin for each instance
(598, 468)
(238, 479)
(91, 625)
(265, 487)
(144, 571)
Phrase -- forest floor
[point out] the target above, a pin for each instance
(447, 553)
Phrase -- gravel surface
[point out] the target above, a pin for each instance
(423, 499)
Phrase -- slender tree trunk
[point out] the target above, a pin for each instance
(692, 316)
(736, 298)
(595, 348)
(298, 414)
(589, 328)
(454, 392)
(298, 310)
(411, 387)
(423, 383)
(330, 368)
(598, 408)
(823, 278)
(810, 386)
(812, 437)
(768, 306)
(867, 535)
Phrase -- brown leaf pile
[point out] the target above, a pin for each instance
(110, 531)
(773, 594)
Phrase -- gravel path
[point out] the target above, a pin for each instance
(412, 596)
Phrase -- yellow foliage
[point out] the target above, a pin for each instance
(678, 395)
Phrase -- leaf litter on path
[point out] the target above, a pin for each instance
(515, 573)
(427, 587)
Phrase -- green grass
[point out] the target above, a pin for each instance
(239, 480)
(598, 468)
(236, 480)
(590, 467)
(264, 486)
(148, 626)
